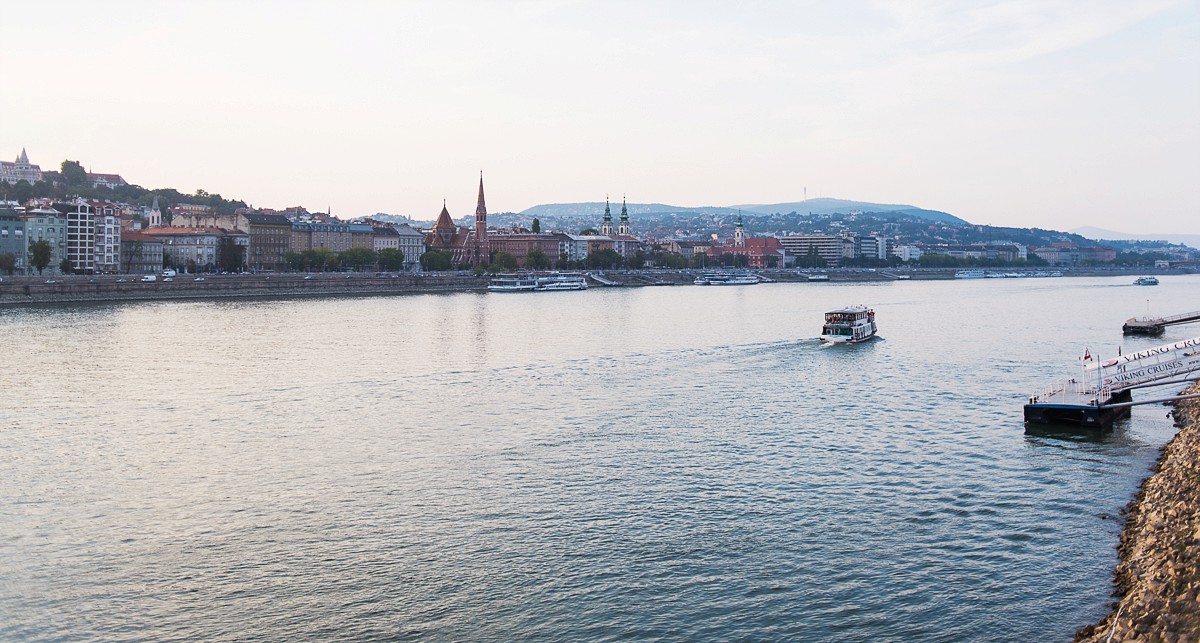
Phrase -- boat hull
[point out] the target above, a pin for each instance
(843, 339)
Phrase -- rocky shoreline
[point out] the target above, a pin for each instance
(1158, 576)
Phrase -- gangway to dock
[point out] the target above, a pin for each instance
(601, 280)
(1156, 325)
(1103, 392)
(651, 281)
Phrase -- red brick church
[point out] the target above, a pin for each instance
(466, 246)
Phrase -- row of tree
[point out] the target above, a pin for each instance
(358, 259)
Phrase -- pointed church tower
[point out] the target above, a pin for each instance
(23, 159)
(624, 229)
(739, 233)
(606, 226)
(444, 227)
(154, 216)
(482, 248)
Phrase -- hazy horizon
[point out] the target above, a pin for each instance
(1027, 114)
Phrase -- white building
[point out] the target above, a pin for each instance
(110, 181)
(908, 253)
(412, 244)
(875, 246)
(81, 235)
(21, 170)
(107, 256)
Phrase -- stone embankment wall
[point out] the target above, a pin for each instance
(1158, 577)
(108, 288)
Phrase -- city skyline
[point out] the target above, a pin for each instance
(1009, 114)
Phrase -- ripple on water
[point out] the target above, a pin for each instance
(616, 465)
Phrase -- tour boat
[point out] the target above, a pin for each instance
(539, 282)
(513, 283)
(1146, 281)
(721, 279)
(562, 281)
(849, 325)
(970, 274)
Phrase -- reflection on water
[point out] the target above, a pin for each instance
(661, 462)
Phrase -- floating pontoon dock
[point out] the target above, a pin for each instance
(1103, 393)
(1156, 325)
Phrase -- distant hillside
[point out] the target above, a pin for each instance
(843, 206)
(595, 210)
(1090, 232)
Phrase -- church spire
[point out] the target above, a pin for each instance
(23, 159)
(606, 226)
(480, 207)
(624, 229)
(482, 247)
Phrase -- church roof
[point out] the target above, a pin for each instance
(444, 221)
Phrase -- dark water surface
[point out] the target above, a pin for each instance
(678, 463)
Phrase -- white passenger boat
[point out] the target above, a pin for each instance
(849, 325)
(1146, 281)
(970, 274)
(562, 281)
(513, 283)
(723, 279)
(538, 282)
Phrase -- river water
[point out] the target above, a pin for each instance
(677, 463)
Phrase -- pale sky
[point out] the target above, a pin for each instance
(1023, 113)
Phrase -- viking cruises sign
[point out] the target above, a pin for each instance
(1147, 365)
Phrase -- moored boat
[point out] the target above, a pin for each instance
(561, 281)
(850, 325)
(970, 274)
(724, 279)
(513, 283)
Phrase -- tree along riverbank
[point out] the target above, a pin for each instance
(1158, 576)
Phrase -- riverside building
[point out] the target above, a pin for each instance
(12, 238)
(49, 225)
(81, 236)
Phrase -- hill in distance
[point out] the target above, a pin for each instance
(843, 206)
(1192, 240)
(594, 210)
